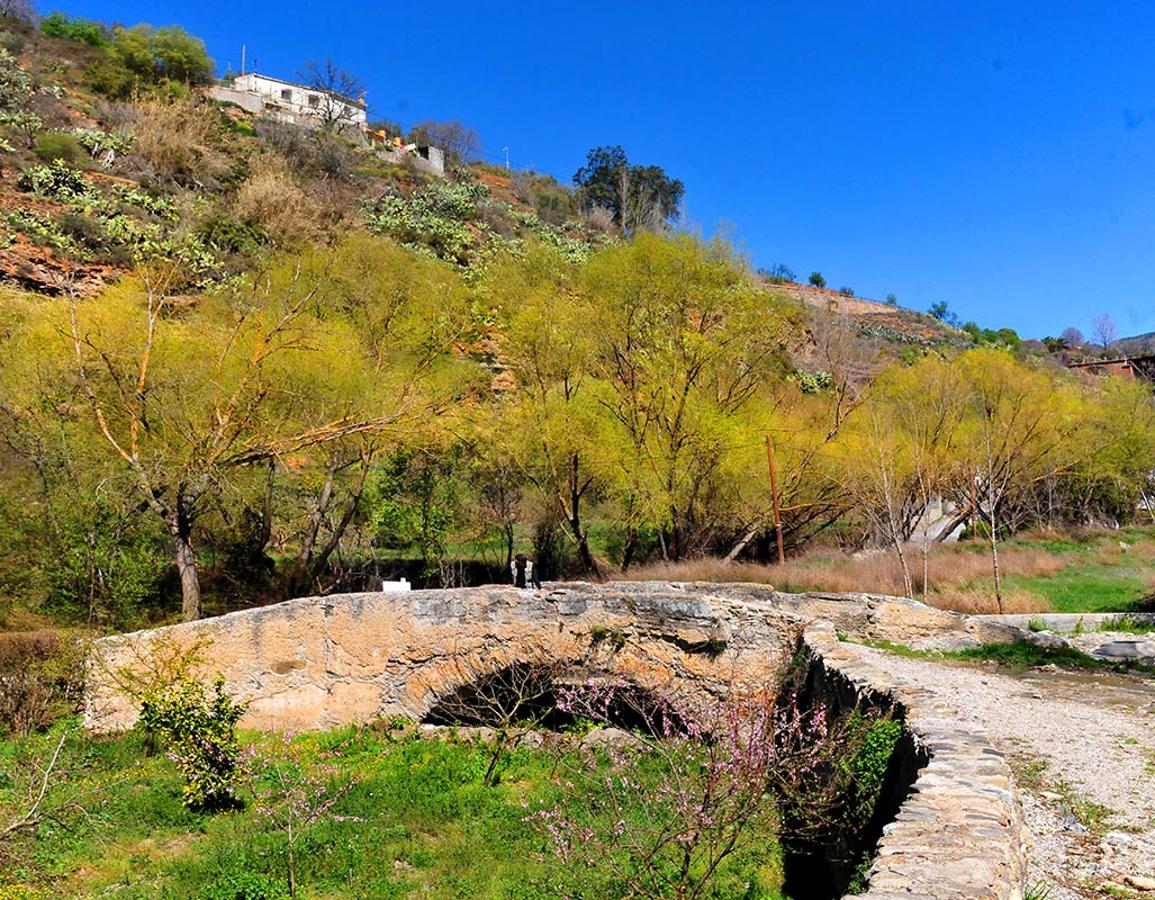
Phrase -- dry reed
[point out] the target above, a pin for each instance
(961, 577)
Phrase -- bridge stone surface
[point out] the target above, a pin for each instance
(319, 662)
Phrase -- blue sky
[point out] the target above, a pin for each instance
(998, 156)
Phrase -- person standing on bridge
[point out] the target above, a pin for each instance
(523, 572)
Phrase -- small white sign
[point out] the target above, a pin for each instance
(395, 587)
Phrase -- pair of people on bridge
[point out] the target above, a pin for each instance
(522, 570)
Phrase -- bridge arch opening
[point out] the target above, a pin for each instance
(552, 697)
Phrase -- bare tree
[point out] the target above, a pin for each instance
(1073, 336)
(342, 93)
(294, 792)
(42, 792)
(459, 142)
(1103, 327)
(18, 10)
(512, 700)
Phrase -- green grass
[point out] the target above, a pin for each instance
(1017, 655)
(1087, 587)
(1128, 624)
(418, 822)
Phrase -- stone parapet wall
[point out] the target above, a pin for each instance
(324, 661)
(959, 832)
(318, 662)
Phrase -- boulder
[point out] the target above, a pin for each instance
(1048, 640)
(1125, 649)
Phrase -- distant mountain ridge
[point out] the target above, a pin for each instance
(1137, 344)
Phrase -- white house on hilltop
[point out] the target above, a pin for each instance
(310, 107)
(291, 102)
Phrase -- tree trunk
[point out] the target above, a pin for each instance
(316, 517)
(589, 564)
(630, 548)
(580, 536)
(507, 532)
(322, 558)
(995, 561)
(186, 564)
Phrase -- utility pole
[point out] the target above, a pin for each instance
(506, 149)
(774, 495)
(243, 48)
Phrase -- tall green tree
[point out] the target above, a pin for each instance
(637, 196)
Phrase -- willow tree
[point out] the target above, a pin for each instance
(183, 395)
(684, 344)
(406, 314)
(924, 406)
(548, 423)
(876, 466)
(1115, 443)
(1018, 428)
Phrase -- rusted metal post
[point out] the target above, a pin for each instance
(774, 496)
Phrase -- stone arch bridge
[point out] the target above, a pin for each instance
(955, 828)
(319, 662)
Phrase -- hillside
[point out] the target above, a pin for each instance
(874, 319)
(1135, 345)
(99, 175)
(97, 179)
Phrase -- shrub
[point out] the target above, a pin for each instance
(270, 201)
(814, 382)
(83, 31)
(311, 150)
(846, 291)
(552, 202)
(42, 230)
(12, 42)
(109, 78)
(96, 141)
(817, 280)
(180, 140)
(55, 145)
(56, 181)
(228, 235)
(15, 85)
(200, 734)
(244, 886)
(39, 679)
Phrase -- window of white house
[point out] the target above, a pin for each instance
(314, 101)
(287, 95)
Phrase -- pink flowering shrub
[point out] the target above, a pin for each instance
(698, 784)
(294, 790)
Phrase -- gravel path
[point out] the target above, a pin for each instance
(1072, 740)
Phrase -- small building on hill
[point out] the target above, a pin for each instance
(1142, 367)
(288, 101)
(310, 107)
